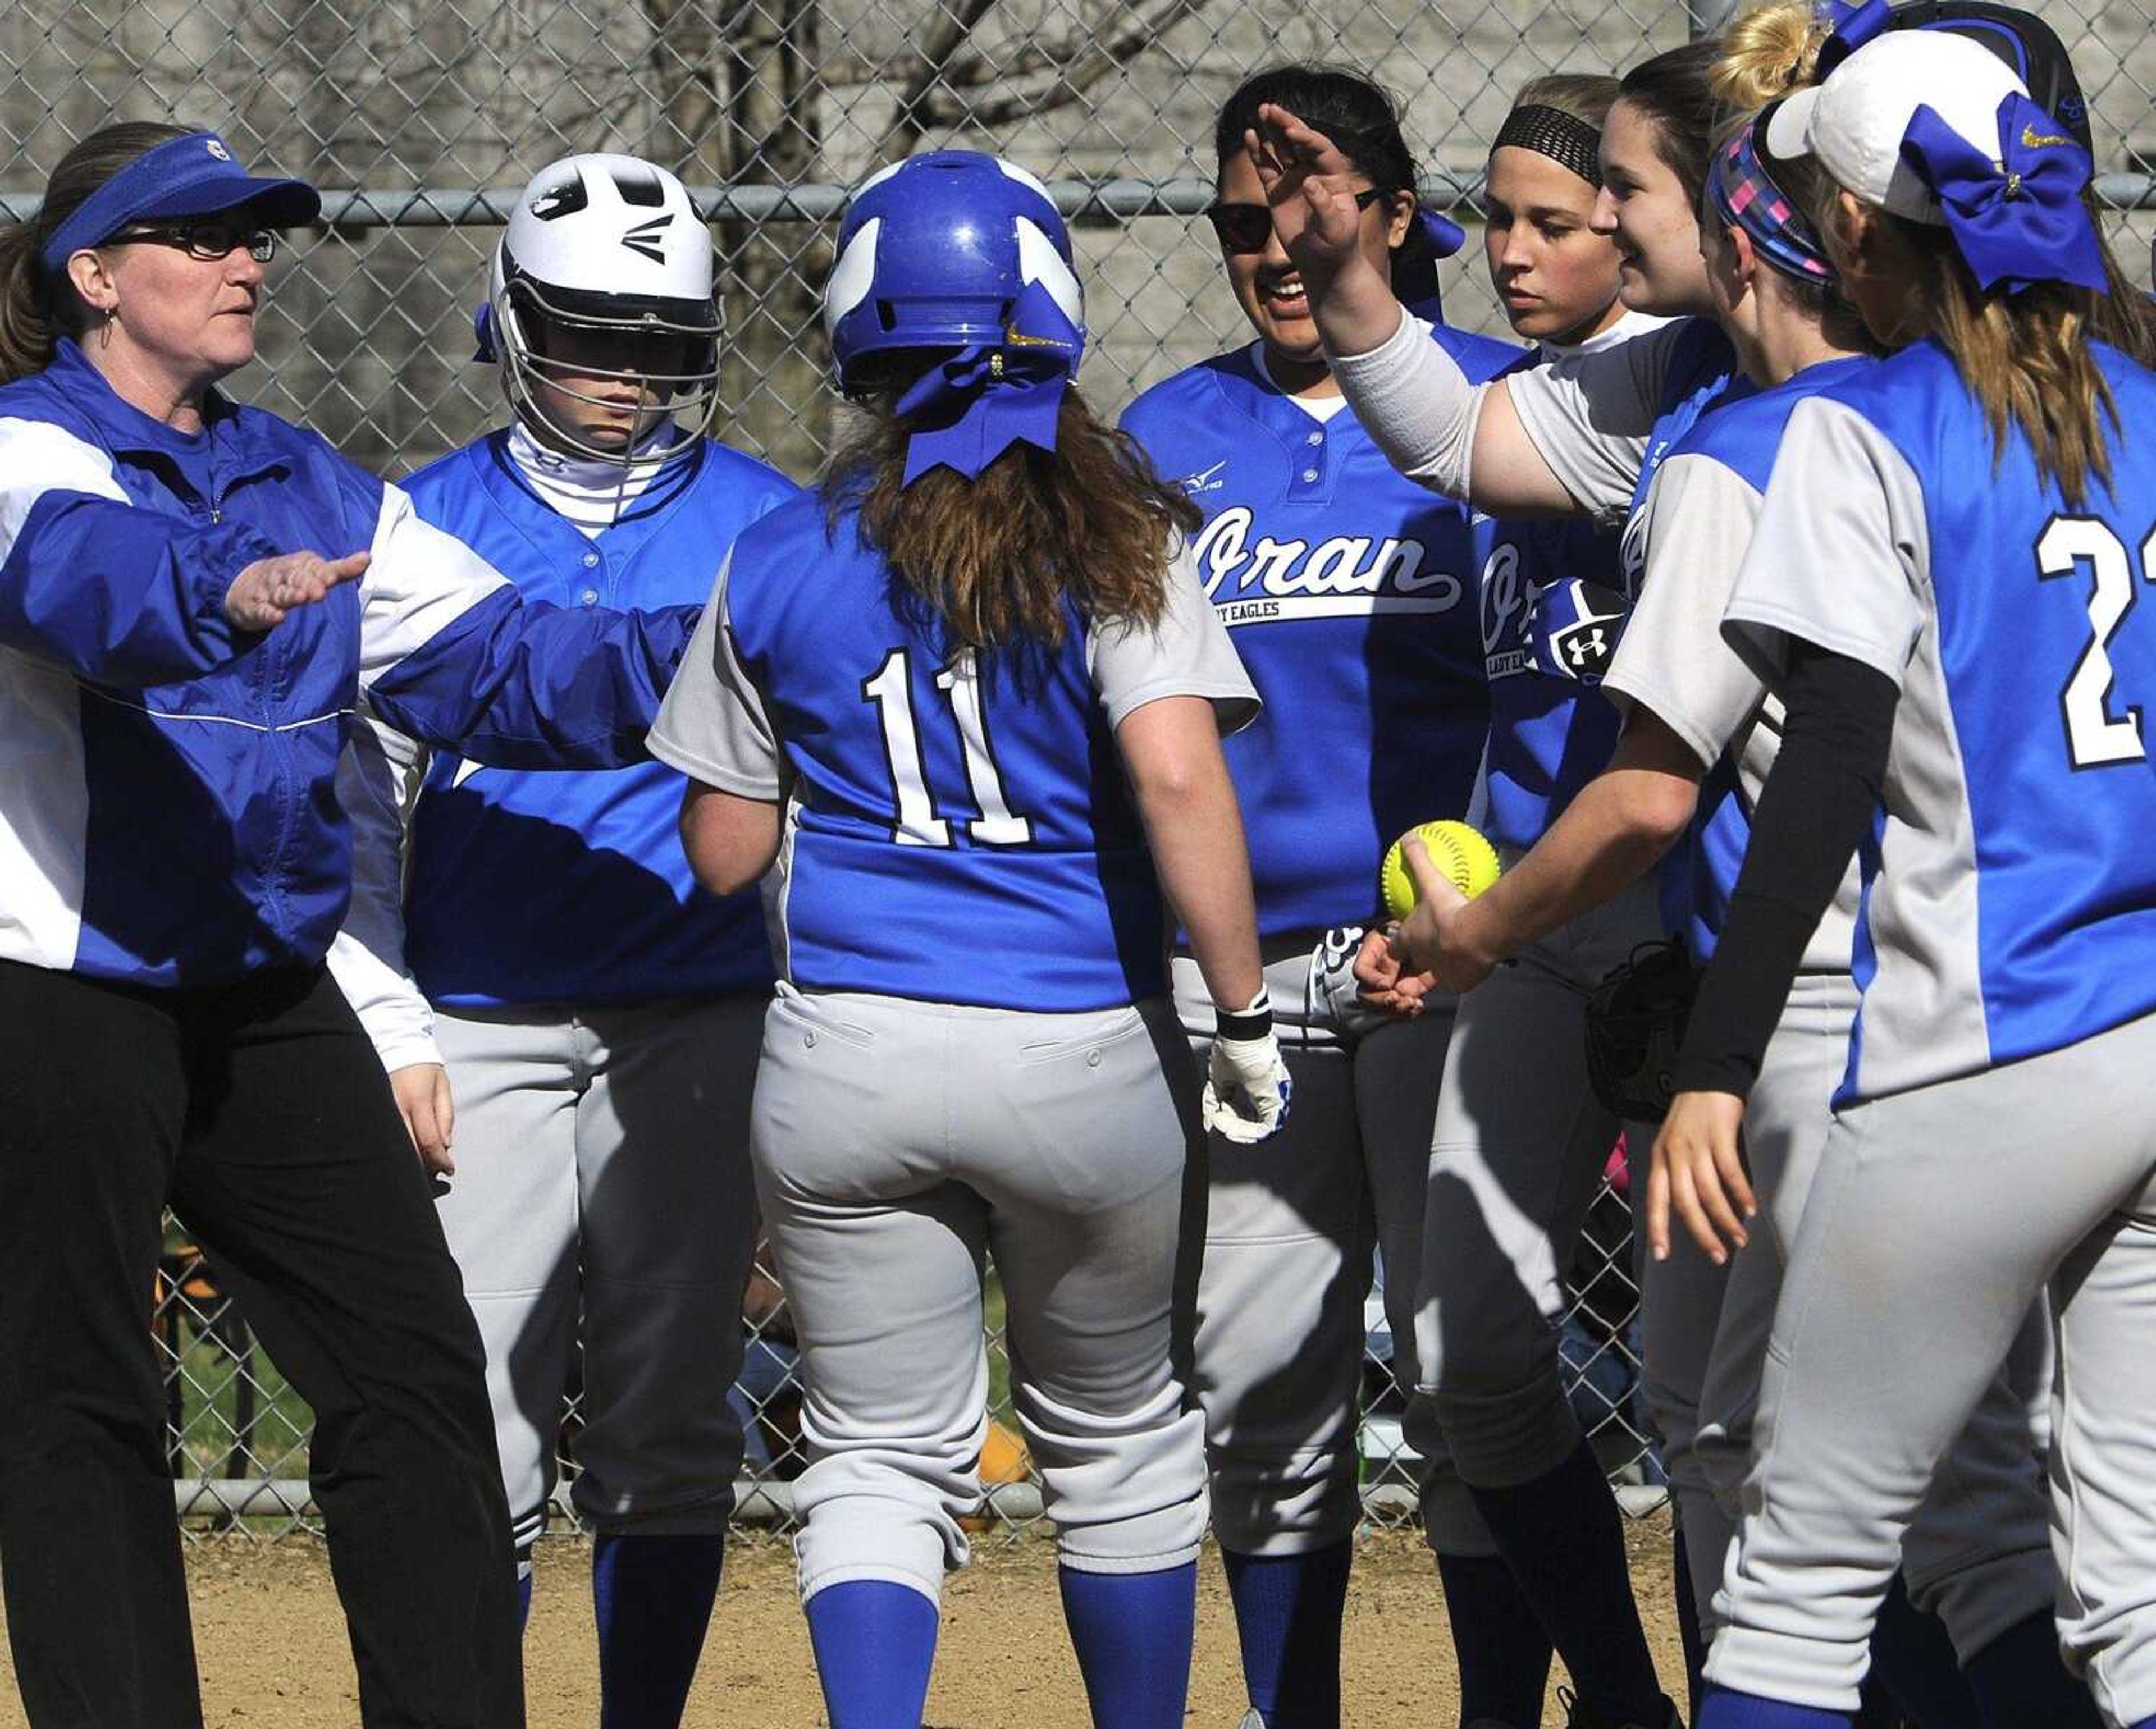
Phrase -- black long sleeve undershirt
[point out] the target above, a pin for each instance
(1817, 803)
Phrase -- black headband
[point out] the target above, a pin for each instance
(1565, 139)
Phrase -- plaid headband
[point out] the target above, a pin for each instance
(1565, 139)
(1747, 198)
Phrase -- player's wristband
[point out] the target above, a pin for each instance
(1255, 1021)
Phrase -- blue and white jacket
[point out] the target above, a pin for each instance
(168, 815)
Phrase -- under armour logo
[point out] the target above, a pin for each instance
(1587, 649)
(643, 239)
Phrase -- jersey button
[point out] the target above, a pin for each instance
(1316, 437)
(590, 560)
(1309, 476)
(590, 596)
(1093, 1060)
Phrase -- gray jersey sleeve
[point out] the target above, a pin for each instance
(1841, 557)
(1697, 520)
(713, 726)
(1589, 415)
(1416, 405)
(1187, 653)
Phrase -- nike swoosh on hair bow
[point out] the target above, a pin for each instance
(2021, 223)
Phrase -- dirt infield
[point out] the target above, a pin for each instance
(273, 1651)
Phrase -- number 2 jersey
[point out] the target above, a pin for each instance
(957, 828)
(1351, 593)
(2010, 883)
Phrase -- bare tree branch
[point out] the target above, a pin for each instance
(1078, 62)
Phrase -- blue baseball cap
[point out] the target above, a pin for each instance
(197, 175)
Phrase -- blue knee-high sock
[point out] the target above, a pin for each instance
(1563, 1537)
(875, 1645)
(1133, 1632)
(2019, 1678)
(523, 1589)
(653, 1598)
(1288, 1610)
(1725, 1710)
(1501, 1652)
(1688, 1634)
(1914, 1660)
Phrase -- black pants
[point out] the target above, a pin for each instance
(260, 1112)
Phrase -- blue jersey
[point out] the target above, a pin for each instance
(2009, 886)
(572, 888)
(958, 828)
(1350, 593)
(1691, 530)
(1553, 607)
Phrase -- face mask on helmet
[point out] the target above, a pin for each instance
(600, 311)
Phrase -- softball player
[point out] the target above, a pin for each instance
(970, 741)
(1336, 629)
(2003, 997)
(1519, 1141)
(599, 1015)
(1696, 714)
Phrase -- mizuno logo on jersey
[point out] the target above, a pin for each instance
(645, 239)
(1253, 580)
(1206, 480)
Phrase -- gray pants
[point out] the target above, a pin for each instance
(1290, 1228)
(1517, 1158)
(897, 1142)
(1976, 1553)
(1938, 1217)
(602, 1186)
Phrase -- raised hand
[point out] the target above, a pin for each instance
(264, 593)
(1309, 182)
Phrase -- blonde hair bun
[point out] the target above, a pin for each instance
(1769, 52)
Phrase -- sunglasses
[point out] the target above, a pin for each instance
(1246, 227)
(203, 240)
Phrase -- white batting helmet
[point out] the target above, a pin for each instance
(608, 244)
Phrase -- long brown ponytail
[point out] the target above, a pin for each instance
(995, 557)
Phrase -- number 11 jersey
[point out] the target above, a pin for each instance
(957, 827)
(2009, 884)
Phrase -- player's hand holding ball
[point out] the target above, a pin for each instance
(1429, 876)
(1246, 1083)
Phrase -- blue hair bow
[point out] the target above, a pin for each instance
(1853, 27)
(975, 404)
(2021, 223)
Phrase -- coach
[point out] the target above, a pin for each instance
(194, 597)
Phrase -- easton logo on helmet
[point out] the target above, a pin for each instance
(643, 239)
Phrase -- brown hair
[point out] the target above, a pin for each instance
(996, 555)
(1675, 91)
(37, 310)
(2024, 357)
(1586, 96)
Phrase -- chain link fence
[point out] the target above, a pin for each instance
(422, 119)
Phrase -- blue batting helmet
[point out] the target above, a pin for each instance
(935, 252)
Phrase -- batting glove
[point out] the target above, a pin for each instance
(1246, 1083)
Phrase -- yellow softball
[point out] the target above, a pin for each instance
(1461, 853)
